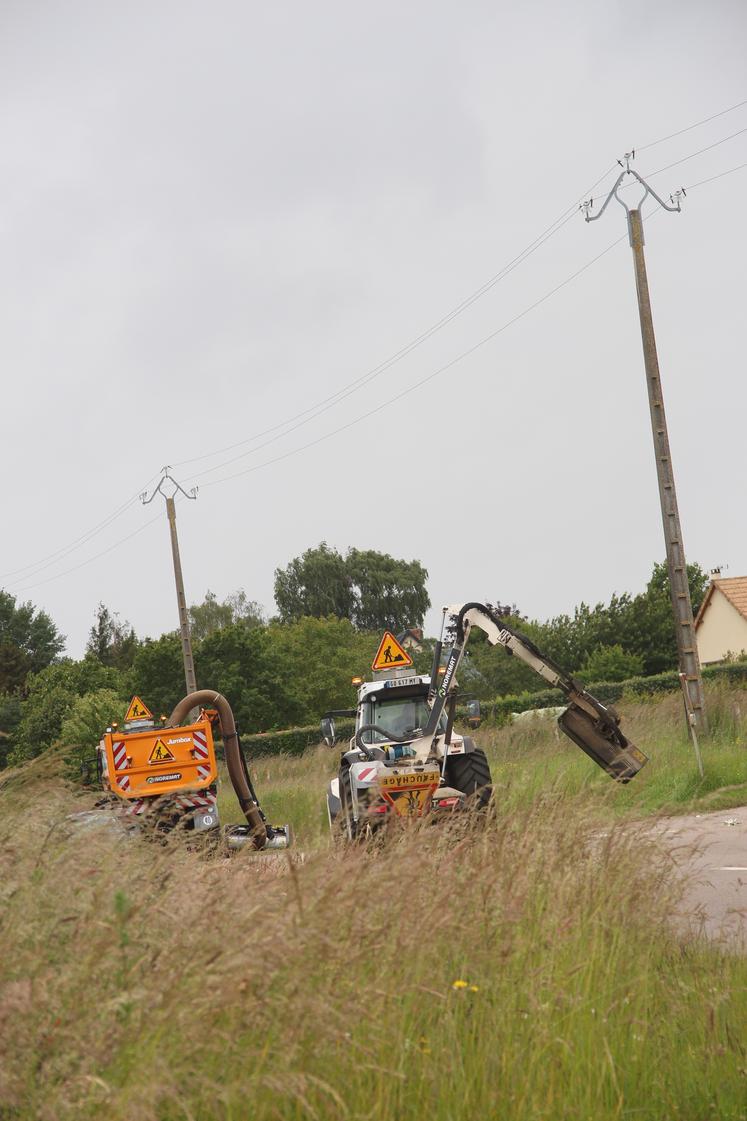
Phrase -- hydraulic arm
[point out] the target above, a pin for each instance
(590, 724)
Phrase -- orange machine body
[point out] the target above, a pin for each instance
(156, 761)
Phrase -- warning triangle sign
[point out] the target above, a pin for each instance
(138, 711)
(160, 753)
(390, 654)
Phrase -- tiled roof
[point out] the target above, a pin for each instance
(735, 590)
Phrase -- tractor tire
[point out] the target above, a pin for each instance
(348, 828)
(471, 774)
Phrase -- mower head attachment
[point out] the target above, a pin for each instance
(603, 741)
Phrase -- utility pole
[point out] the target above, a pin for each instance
(189, 665)
(682, 610)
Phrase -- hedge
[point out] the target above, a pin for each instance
(294, 741)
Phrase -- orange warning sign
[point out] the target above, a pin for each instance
(138, 711)
(390, 654)
(160, 753)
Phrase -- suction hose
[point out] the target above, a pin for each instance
(206, 698)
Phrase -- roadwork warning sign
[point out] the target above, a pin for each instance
(160, 753)
(138, 711)
(390, 654)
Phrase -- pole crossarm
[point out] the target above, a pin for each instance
(689, 662)
(166, 476)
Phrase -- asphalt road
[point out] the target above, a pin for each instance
(711, 850)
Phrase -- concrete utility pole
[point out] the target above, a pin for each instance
(189, 665)
(678, 586)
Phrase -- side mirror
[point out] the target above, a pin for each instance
(474, 718)
(328, 730)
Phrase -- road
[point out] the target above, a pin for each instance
(711, 850)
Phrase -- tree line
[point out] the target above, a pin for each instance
(286, 670)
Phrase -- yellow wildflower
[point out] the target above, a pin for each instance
(459, 984)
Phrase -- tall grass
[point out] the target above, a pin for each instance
(523, 967)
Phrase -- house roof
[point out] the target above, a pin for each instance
(735, 590)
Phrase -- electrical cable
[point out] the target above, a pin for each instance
(422, 381)
(700, 152)
(34, 568)
(83, 539)
(90, 560)
(364, 379)
(713, 178)
(680, 132)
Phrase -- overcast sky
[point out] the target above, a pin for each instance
(214, 216)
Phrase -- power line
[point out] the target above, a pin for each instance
(699, 152)
(78, 542)
(33, 568)
(680, 132)
(317, 409)
(90, 560)
(364, 379)
(713, 178)
(423, 381)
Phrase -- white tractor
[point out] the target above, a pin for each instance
(405, 760)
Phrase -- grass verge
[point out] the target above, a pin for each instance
(522, 968)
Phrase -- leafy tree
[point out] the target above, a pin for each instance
(111, 642)
(15, 666)
(241, 663)
(318, 659)
(50, 696)
(209, 616)
(84, 725)
(611, 663)
(316, 584)
(29, 641)
(10, 716)
(389, 593)
(158, 673)
(372, 589)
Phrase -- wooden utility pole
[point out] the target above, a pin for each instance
(679, 588)
(189, 665)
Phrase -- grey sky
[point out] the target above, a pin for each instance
(213, 216)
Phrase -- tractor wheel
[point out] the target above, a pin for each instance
(347, 826)
(471, 774)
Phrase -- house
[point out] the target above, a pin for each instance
(411, 639)
(721, 623)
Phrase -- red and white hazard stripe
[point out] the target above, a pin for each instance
(206, 799)
(123, 782)
(119, 751)
(200, 750)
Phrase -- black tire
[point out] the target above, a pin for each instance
(471, 774)
(348, 827)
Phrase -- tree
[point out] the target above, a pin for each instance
(209, 616)
(315, 584)
(242, 664)
(374, 590)
(389, 594)
(29, 641)
(611, 663)
(158, 673)
(111, 642)
(50, 696)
